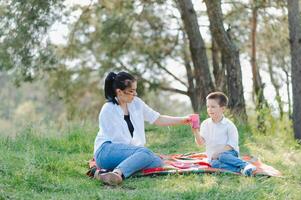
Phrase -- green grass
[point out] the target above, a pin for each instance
(38, 165)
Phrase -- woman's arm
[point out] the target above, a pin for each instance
(165, 120)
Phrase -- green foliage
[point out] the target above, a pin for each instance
(127, 35)
(123, 35)
(23, 43)
(143, 37)
(28, 103)
(81, 94)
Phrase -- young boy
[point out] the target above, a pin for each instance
(220, 137)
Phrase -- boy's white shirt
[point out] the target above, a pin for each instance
(113, 127)
(218, 135)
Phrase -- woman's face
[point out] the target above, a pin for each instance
(127, 95)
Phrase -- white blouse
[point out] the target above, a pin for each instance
(113, 127)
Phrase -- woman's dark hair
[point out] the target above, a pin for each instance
(113, 81)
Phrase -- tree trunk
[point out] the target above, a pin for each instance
(287, 82)
(193, 96)
(225, 87)
(231, 57)
(218, 68)
(203, 82)
(276, 86)
(257, 83)
(295, 45)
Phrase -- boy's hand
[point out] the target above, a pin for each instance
(198, 138)
(215, 156)
(195, 130)
(228, 148)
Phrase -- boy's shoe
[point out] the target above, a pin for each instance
(110, 178)
(249, 170)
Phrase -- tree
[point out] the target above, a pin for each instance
(139, 37)
(276, 85)
(294, 20)
(257, 83)
(231, 58)
(127, 35)
(275, 55)
(218, 65)
(202, 75)
(24, 49)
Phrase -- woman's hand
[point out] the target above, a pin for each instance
(186, 120)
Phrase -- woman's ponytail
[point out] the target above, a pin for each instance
(109, 86)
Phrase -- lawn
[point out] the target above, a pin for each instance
(49, 163)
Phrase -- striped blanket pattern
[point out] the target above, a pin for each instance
(192, 163)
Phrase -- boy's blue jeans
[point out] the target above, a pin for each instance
(229, 160)
(127, 158)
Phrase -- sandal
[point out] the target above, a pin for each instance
(110, 178)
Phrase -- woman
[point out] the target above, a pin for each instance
(119, 145)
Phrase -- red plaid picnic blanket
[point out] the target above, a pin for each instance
(192, 163)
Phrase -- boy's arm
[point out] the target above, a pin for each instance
(232, 138)
(199, 140)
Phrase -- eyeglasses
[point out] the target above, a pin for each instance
(130, 92)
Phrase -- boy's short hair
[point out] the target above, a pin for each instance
(220, 96)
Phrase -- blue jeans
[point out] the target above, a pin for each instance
(229, 160)
(127, 158)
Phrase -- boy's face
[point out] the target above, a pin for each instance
(214, 110)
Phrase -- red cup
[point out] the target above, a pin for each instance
(195, 120)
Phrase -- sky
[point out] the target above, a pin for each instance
(59, 32)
